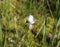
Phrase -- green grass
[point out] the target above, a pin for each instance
(0, 34)
(15, 32)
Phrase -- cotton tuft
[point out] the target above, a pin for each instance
(31, 21)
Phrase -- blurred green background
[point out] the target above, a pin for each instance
(14, 29)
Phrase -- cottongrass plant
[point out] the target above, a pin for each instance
(42, 29)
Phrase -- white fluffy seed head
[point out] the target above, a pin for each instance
(31, 19)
